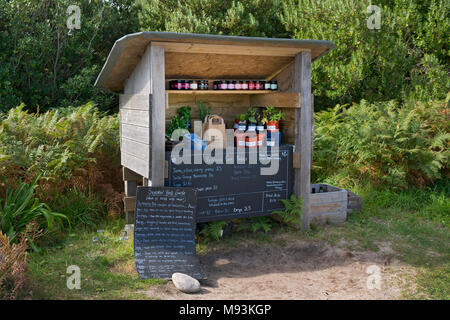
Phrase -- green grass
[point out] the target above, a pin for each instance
(413, 223)
(107, 267)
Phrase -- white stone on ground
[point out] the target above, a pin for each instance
(185, 283)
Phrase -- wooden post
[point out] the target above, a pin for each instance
(130, 179)
(303, 120)
(158, 114)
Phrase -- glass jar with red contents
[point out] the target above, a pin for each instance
(179, 85)
(251, 85)
(257, 85)
(186, 85)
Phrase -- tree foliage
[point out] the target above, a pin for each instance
(43, 64)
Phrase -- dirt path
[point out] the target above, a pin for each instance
(296, 270)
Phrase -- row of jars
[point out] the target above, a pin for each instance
(245, 85)
(223, 85)
(188, 85)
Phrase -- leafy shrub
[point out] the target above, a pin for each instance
(67, 147)
(384, 143)
(20, 208)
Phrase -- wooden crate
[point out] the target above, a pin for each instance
(329, 206)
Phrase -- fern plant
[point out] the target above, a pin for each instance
(292, 212)
(213, 230)
(255, 224)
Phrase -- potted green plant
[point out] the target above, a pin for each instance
(272, 117)
(203, 110)
(242, 122)
(251, 117)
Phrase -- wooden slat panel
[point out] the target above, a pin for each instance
(135, 133)
(129, 175)
(182, 65)
(229, 49)
(134, 101)
(138, 81)
(137, 149)
(158, 111)
(135, 117)
(279, 99)
(133, 163)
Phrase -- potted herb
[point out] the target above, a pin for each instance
(242, 122)
(185, 115)
(203, 110)
(272, 117)
(251, 117)
(259, 121)
(182, 120)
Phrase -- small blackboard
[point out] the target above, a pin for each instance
(237, 189)
(164, 232)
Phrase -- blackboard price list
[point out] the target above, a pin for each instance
(164, 240)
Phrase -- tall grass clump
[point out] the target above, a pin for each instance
(384, 143)
(84, 211)
(21, 207)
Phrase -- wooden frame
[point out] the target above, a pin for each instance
(141, 64)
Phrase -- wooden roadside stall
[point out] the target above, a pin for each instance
(140, 66)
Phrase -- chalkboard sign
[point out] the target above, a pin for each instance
(164, 232)
(228, 191)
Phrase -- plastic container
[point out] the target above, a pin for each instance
(239, 138)
(271, 136)
(195, 141)
(251, 140)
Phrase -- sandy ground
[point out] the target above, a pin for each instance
(296, 270)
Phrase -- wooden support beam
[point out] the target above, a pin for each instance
(302, 84)
(229, 49)
(158, 114)
(129, 204)
(296, 160)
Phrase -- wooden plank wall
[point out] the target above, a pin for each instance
(135, 125)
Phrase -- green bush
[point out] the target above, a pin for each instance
(384, 143)
(72, 146)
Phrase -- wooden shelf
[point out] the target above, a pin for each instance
(221, 91)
